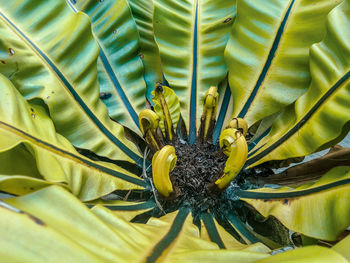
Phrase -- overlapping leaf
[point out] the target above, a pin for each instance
(54, 225)
(320, 115)
(191, 46)
(320, 210)
(142, 11)
(267, 54)
(32, 148)
(120, 70)
(54, 57)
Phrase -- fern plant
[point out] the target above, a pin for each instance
(140, 131)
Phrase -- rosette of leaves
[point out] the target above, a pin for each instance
(76, 145)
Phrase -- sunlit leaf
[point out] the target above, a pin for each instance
(27, 131)
(54, 58)
(268, 53)
(192, 54)
(142, 11)
(53, 224)
(320, 210)
(320, 115)
(120, 70)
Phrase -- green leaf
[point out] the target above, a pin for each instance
(54, 58)
(319, 210)
(267, 54)
(142, 11)
(120, 69)
(320, 115)
(27, 131)
(55, 226)
(191, 46)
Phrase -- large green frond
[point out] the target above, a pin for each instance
(120, 70)
(54, 225)
(192, 54)
(320, 210)
(268, 53)
(54, 57)
(320, 115)
(142, 11)
(28, 132)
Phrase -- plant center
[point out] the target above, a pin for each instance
(197, 167)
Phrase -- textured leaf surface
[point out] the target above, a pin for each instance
(192, 54)
(120, 70)
(53, 216)
(27, 131)
(320, 210)
(54, 57)
(142, 11)
(268, 51)
(320, 114)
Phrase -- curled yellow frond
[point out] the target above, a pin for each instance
(167, 106)
(163, 162)
(149, 122)
(148, 119)
(235, 146)
(209, 112)
(239, 124)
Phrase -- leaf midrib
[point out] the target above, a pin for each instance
(68, 155)
(302, 121)
(268, 63)
(65, 83)
(292, 194)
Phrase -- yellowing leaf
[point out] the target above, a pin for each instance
(120, 70)
(268, 53)
(54, 58)
(53, 216)
(27, 131)
(191, 46)
(320, 210)
(320, 115)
